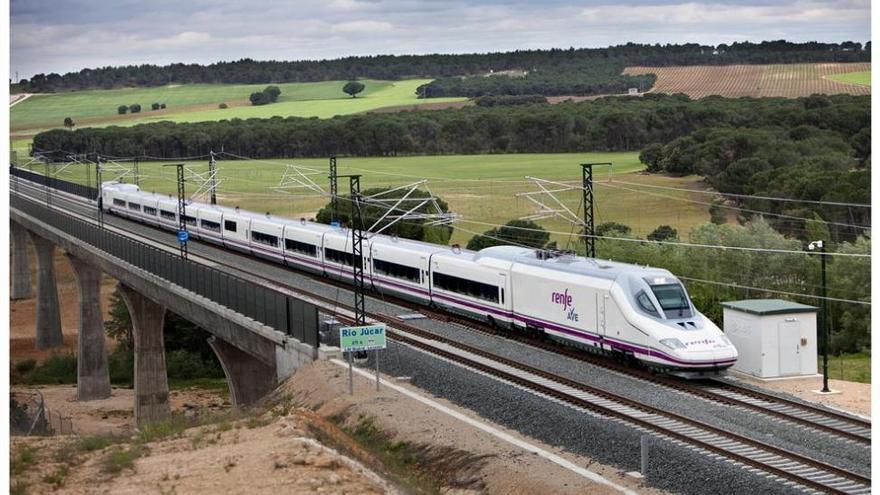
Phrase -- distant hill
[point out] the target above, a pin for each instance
(583, 71)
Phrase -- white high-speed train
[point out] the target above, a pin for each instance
(641, 312)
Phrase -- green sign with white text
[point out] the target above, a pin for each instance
(365, 338)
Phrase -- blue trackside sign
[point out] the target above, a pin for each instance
(182, 236)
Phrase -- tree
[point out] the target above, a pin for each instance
(155, 106)
(136, 108)
(68, 123)
(223, 105)
(612, 228)
(407, 229)
(651, 155)
(717, 215)
(861, 144)
(122, 109)
(514, 232)
(162, 106)
(663, 233)
(259, 98)
(353, 88)
(272, 92)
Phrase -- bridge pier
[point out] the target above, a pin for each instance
(48, 311)
(20, 269)
(249, 378)
(150, 376)
(93, 378)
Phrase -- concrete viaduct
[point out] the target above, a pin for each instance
(255, 356)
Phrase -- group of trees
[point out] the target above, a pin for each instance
(606, 124)
(508, 100)
(136, 108)
(266, 96)
(822, 154)
(542, 66)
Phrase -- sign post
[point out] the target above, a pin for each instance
(358, 339)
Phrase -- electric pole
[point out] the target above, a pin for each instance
(357, 254)
(212, 168)
(334, 191)
(100, 195)
(182, 232)
(825, 336)
(137, 173)
(589, 219)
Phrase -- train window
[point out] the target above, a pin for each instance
(230, 226)
(170, 215)
(396, 270)
(645, 304)
(118, 202)
(189, 220)
(209, 225)
(134, 206)
(149, 210)
(467, 287)
(673, 300)
(340, 257)
(301, 247)
(267, 239)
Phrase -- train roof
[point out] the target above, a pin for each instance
(592, 267)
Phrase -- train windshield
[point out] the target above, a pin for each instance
(673, 300)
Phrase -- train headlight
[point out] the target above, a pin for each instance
(672, 343)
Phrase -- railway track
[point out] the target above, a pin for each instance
(719, 391)
(807, 472)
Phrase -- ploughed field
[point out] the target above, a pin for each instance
(200, 102)
(782, 80)
(481, 188)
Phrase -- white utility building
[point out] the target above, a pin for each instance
(775, 338)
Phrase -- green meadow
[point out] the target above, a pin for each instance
(482, 189)
(863, 77)
(200, 102)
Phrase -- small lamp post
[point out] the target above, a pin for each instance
(820, 245)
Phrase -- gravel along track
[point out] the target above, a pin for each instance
(431, 323)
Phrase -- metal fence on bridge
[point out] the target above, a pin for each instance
(282, 312)
(57, 184)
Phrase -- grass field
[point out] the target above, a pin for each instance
(862, 77)
(481, 188)
(774, 80)
(199, 102)
(849, 367)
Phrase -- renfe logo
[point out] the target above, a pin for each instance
(566, 301)
(562, 298)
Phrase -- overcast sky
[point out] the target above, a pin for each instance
(68, 35)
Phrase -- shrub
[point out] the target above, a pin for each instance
(663, 233)
(25, 365)
(162, 106)
(122, 109)
(223, 105)
(155, 106)
(58, 368)
(136, 108)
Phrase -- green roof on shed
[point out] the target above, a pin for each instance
(768, 306)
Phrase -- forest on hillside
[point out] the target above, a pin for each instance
(571, 71)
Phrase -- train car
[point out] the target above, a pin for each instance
(303, 242)
(639, 312)
(401, 268)
(465, 282)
